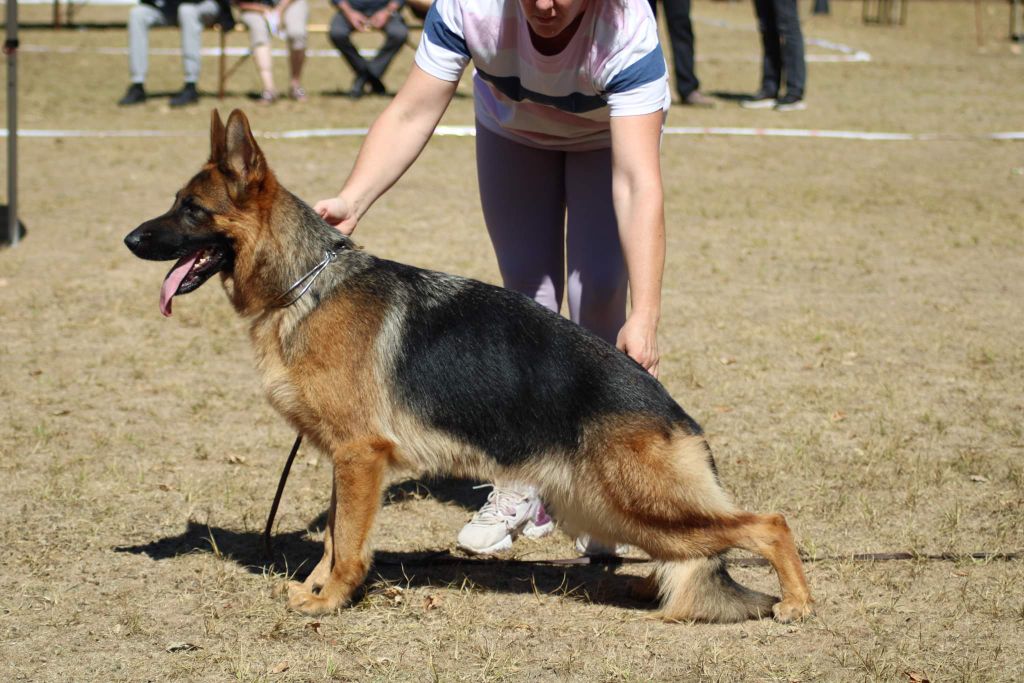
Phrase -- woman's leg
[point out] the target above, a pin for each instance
(259, 42)
(522, 192)
(597, 282)
(295, 19)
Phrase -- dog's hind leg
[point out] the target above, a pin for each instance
(700, 588)
(359, 470)
(663, 495)
(769, 536)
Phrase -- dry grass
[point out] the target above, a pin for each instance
(844, 317)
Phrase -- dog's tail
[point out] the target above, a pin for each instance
(702, 590)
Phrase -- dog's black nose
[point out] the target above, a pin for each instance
(132, 240)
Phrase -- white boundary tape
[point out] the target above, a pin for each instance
(468, 131)
(176, 51)
(847, 53)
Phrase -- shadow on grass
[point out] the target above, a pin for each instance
(295, 552)
(729, 96)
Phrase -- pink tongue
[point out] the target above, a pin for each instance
(173, 281)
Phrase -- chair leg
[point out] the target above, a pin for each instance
(222, 65)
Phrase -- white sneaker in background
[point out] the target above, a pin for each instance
(585, 545)
(504, 516)
(540, 525)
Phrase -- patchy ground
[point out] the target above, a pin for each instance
(843, 316)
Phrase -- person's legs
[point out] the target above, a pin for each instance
(259, 43)
(523, 201)
(295, 19)
(340, 34)
(680, 33)
(771, 71)
(191, 20)
(140, 20)
(597, 282)
(792, 47)
(395, 35)
(522, 193)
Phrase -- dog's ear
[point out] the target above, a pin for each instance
(242, 156)
(216, 137)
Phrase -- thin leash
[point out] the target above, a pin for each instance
(268, 547)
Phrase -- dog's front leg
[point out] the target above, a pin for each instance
(359, 468)
(316, 579)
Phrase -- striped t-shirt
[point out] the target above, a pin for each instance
(613, 66)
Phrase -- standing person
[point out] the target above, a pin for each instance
(367, 15)
(783, 45)
(570, 98)
(190, 16)
(680, 34)
(264, 19)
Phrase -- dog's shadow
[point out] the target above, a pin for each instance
(295, 554)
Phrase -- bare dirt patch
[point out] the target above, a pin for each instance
(844, 317)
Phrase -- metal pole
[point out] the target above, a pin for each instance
(11, 50)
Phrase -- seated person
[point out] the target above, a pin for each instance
(367, 15)
(190, 16)
(263, 18)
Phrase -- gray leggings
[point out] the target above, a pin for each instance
(527, 196)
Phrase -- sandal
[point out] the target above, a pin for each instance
(298, 93)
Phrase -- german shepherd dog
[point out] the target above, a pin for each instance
(385, 367)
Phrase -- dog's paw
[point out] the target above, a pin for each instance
(306, 602)
(786, 611)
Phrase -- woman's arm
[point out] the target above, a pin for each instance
(395, 140)
(639, 209)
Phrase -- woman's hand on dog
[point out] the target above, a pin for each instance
(639, 339)
(338, 213)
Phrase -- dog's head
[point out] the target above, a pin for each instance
(215, 216)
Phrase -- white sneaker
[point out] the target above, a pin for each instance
(759, 100)
(504, 516)
(585, 545)
(540, 525)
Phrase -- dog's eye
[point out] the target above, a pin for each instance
(195, 211)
